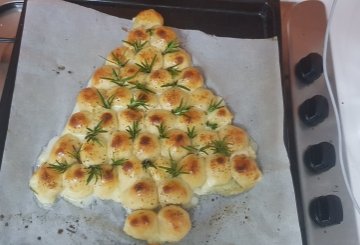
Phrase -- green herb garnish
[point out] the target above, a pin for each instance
(150, 31)
(145, 66)
(137, 45)
(194, 150)
(181, 109)
(175, 84)
(211, 125)
(134, 130)
(118, 80)
(75, 154)
(173, 170)
(147, 164)
(94, 172)
(106, 103)
(162, 131)
(115, 60)
(172, 47)
(173, 70)
(118, 162)
(191, 132)
(92, 134)
(220, 147)
(142, 87)
(215, 105)
(60, 167)
(136, 103)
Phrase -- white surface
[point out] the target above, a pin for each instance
(245, 72)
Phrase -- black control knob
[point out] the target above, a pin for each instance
(320, 157)
(326, 210)
(314, 110)
(309, 68)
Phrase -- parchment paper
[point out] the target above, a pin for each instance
(60, 49)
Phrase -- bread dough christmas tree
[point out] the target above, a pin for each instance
(148, 134)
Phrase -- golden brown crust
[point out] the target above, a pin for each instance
(157, 117)
(121, 95)
(120, 145)
(174, 191)
(193, 118)
(201, 98)
(119, 56)
(221, 116)
(107, 184)
(218, 170)
(127, 117)
(137, 35)
(79, 121)
(174, 144)
(194, 166)
(174, 223)
(159, 78)
(101, 77)
(181, 59)
(88, 99)
(172, 98)
(236, 137)
(108, 119)
(245, 171)
(46, 183)
(94, 152)
(143, 225)
(149, 55)
(191, 78)
(76, 187)
(148, 18)
(162, 36)
(146, 146)
(141, 195)
(205, 137)
(63, 148)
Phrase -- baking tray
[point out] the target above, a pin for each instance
(230, 18)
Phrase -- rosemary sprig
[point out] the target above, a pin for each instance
(150, 31)
(106, 103)
(136, 103)
(93, 172)
(172, 47)
(115, 60)
(173, 70)
(220, 147)
(145, 66)
(211, 125)
(215, 105)
(142, 87)
(75, 154)
(93, 133)
(118, 80)
(147, 163)
(175, 84)
(194, 150)
(181, 109)
(191, 132)
(173, 170)
(162, 131)
(60, 167)
(134, 130)
(118, 162)
(137, 45)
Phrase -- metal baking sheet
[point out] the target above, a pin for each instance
(244, 71)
